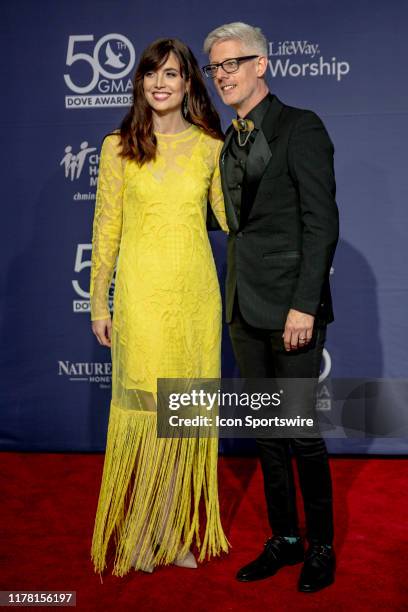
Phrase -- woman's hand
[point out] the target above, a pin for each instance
(103, 331)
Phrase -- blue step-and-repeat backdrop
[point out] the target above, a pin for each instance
(66, 70)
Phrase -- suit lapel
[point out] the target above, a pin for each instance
(231, 213)
(259, 157)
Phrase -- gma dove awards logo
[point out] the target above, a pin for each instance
(98, 73)
(324, 396)
(80, 284)
(302, 58)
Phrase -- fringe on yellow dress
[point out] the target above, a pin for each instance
(150, 495)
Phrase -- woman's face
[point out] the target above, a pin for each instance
(164, 88)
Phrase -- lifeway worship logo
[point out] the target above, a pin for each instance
(95, 372)
(80, 165)
(301, 58)
(99, 78)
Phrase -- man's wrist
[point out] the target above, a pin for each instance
(305, 306)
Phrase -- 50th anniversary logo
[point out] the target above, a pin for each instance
(99, 73)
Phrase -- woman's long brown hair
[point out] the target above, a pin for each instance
(136, 131)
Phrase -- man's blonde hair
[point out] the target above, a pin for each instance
(252, 38)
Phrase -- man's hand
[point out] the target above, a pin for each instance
(298, 330)
(103, 331)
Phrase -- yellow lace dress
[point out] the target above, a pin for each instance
(166, 324)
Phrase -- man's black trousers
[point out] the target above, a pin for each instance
(260, 353)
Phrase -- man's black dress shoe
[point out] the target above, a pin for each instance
(318, 569)
(276, 553)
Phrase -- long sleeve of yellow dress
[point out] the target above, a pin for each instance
(107, 226)
(215, 194)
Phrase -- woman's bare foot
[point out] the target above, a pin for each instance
(188, 560)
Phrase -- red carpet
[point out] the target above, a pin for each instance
(47, 512)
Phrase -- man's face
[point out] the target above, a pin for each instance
(236, 89)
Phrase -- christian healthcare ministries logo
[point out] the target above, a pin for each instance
(301, 58)
(81, 169)
(99, 78)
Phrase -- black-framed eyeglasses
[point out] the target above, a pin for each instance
(228, 65)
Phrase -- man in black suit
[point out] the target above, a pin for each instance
(279, 188)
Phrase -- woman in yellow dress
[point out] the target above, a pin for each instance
(156, 175)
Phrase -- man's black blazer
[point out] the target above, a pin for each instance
(281, 245)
